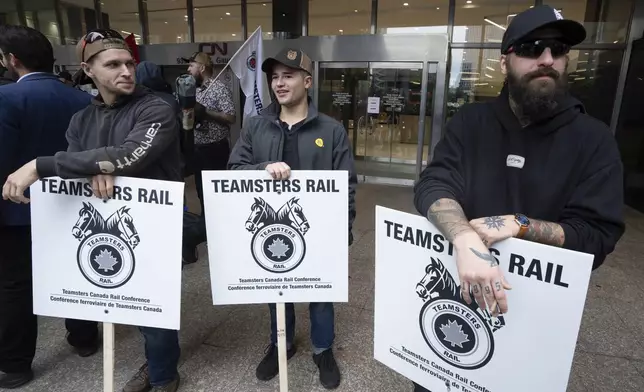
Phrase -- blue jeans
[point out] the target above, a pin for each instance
(322, 324)
(162, 352)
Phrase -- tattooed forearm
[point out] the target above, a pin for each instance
(487, 257)
(448, 216)
(547, 233)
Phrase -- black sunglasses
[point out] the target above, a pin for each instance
(534, 49)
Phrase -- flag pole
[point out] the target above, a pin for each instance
(232, 58)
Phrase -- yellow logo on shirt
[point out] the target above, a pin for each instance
(319, 142)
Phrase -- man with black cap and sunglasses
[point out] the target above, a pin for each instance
(126, 131)
(298, 127)
(531, 164)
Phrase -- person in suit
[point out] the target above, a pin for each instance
(34, 115)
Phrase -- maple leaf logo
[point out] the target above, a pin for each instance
(105, 260)
(278, 248)
(454, 334)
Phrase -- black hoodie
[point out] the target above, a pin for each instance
(565, 168)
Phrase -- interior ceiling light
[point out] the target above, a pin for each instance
(228, 13)
(405, 4)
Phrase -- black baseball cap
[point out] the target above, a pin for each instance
(292, 58)
(524, 23)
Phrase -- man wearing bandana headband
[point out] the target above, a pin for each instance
(105, 141)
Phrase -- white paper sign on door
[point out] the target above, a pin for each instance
(373, 105)
(117, 261)
(426, 332)
(275, 241)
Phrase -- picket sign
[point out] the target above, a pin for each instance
(277, 241)
(424, 330)
(105, 253)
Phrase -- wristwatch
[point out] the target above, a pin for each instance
(523, 223)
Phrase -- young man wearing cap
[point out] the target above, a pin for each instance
(297, 124)
(126, 131)
(531, 164)
(214, 113)
(34, 115)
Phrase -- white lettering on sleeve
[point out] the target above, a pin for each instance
(140, 151)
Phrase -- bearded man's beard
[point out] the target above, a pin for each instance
(199, 80)
(535, 99)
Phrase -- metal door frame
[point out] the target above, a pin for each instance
(425, 68)
(337, 65)
(423, 101)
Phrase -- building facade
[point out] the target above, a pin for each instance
(392, 71)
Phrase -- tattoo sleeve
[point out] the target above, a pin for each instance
(547, 233)
(448, 216)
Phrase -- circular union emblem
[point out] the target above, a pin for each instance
(106, 260)
(251, 62)
(278, 248)
(456, 333)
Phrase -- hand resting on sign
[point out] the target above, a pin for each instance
(103, 186)
(279, 170)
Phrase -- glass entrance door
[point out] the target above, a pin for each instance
(382, 107)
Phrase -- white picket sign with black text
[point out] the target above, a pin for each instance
(117, 261)
(273, 241)
(425, 331)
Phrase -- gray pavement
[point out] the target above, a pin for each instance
(222, 345)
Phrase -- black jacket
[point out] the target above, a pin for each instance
(571, 174)
(137, 136)
(262, 142)
(149, 75)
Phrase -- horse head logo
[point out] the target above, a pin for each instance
(437, 282)
(122, 224)
(261, 214)
(292, 213)
(89, 221)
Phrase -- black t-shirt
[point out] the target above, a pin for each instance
(290, 154)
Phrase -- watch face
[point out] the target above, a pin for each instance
(523, 220)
